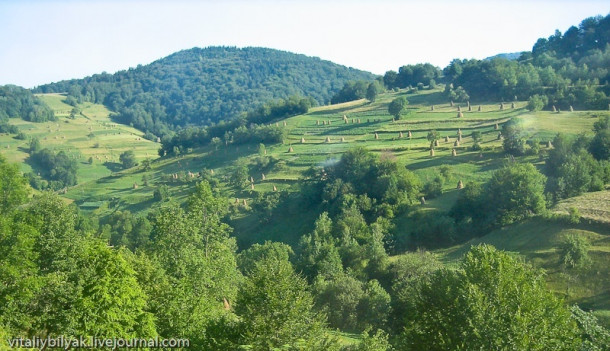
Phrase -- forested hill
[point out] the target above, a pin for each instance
(203, 86)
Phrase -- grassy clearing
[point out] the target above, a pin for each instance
(91, 134)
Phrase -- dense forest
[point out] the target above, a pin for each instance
(198, 87)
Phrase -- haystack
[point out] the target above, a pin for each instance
(290, 149)
(432, 108)
(496, 127)
(327, 140)
(302, 140)
(453, 152)
(431, 152)
(446, 139)
(460, 185)
(479, 109)
(376, 136)
(342, 139)
(422, 200)
(571, 108)
(460, 115)
(456, 143)
(274, 188)
(400, 134)
(502, 106)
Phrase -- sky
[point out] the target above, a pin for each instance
(43, 41)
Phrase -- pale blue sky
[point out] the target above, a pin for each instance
(46, 41)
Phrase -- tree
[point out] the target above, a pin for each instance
(516, 192)
(372, 91)
(514, 138)
(574, 252)
(397, 106)
(13, 187)
(128, 159)
(600, 145)
(537, 102)
(161, 193)
(432, 136)
(276, 308)
(239, 176)
(494, 301)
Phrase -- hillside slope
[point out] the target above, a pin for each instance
(202, 86)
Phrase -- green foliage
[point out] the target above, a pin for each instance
(204, 86)
(600, 145)
(537, 102)
(13, 187)
(574, 252)
(19, 102)
(276, 308)
(411, 75)
(407, 272)
(351, 305)
(513, 193)
(34, 145)
(397, 106)
(516, 192)
(352, 90)
(594, 336)
(372, 91)
(161, 193)
(372, 342)
(239, 176)
(433, 188)
(514, 138)
(494, 301)
(128, 159)
(58, 168)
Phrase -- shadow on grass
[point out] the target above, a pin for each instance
(113, 166)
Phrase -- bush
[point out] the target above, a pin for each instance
(537, 102)
(574, 252)
(161, 193)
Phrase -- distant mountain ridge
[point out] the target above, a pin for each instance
(201, 86)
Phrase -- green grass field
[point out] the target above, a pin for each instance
(90, 134)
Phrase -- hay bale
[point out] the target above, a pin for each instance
(263, 176)
(409, 134)
(432, 152)
(284, 123)
(317, 123)
(211, 171)
(459, 108)
(158, 139)
(459, 138)
(512, 105)
(327, 140)
(479, 109)
(329, 122)
(226, 304)
(496, 126)
(358, 120)
(236, 200)
(265, 151)
(342, 139)
(290, 149)
(451, 103)
(302, 140)
(549, 144)
(399, 134)
(345, 120)
(435, 142)
(459, 131)
(501, 106)
(135, 186)
(274, 188)
(251, 186)
(469, 108)
(453, 152)
(460, 115)
(376, 136)
(422, 200)
(571, 108)
(277, 124)
(353, 121)
(251, 180)
(554, 108)
(456, 143)
(499, 136)
(245, 203)
(468, 103)
(446, 139)
(460, 184)
(432, 108)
